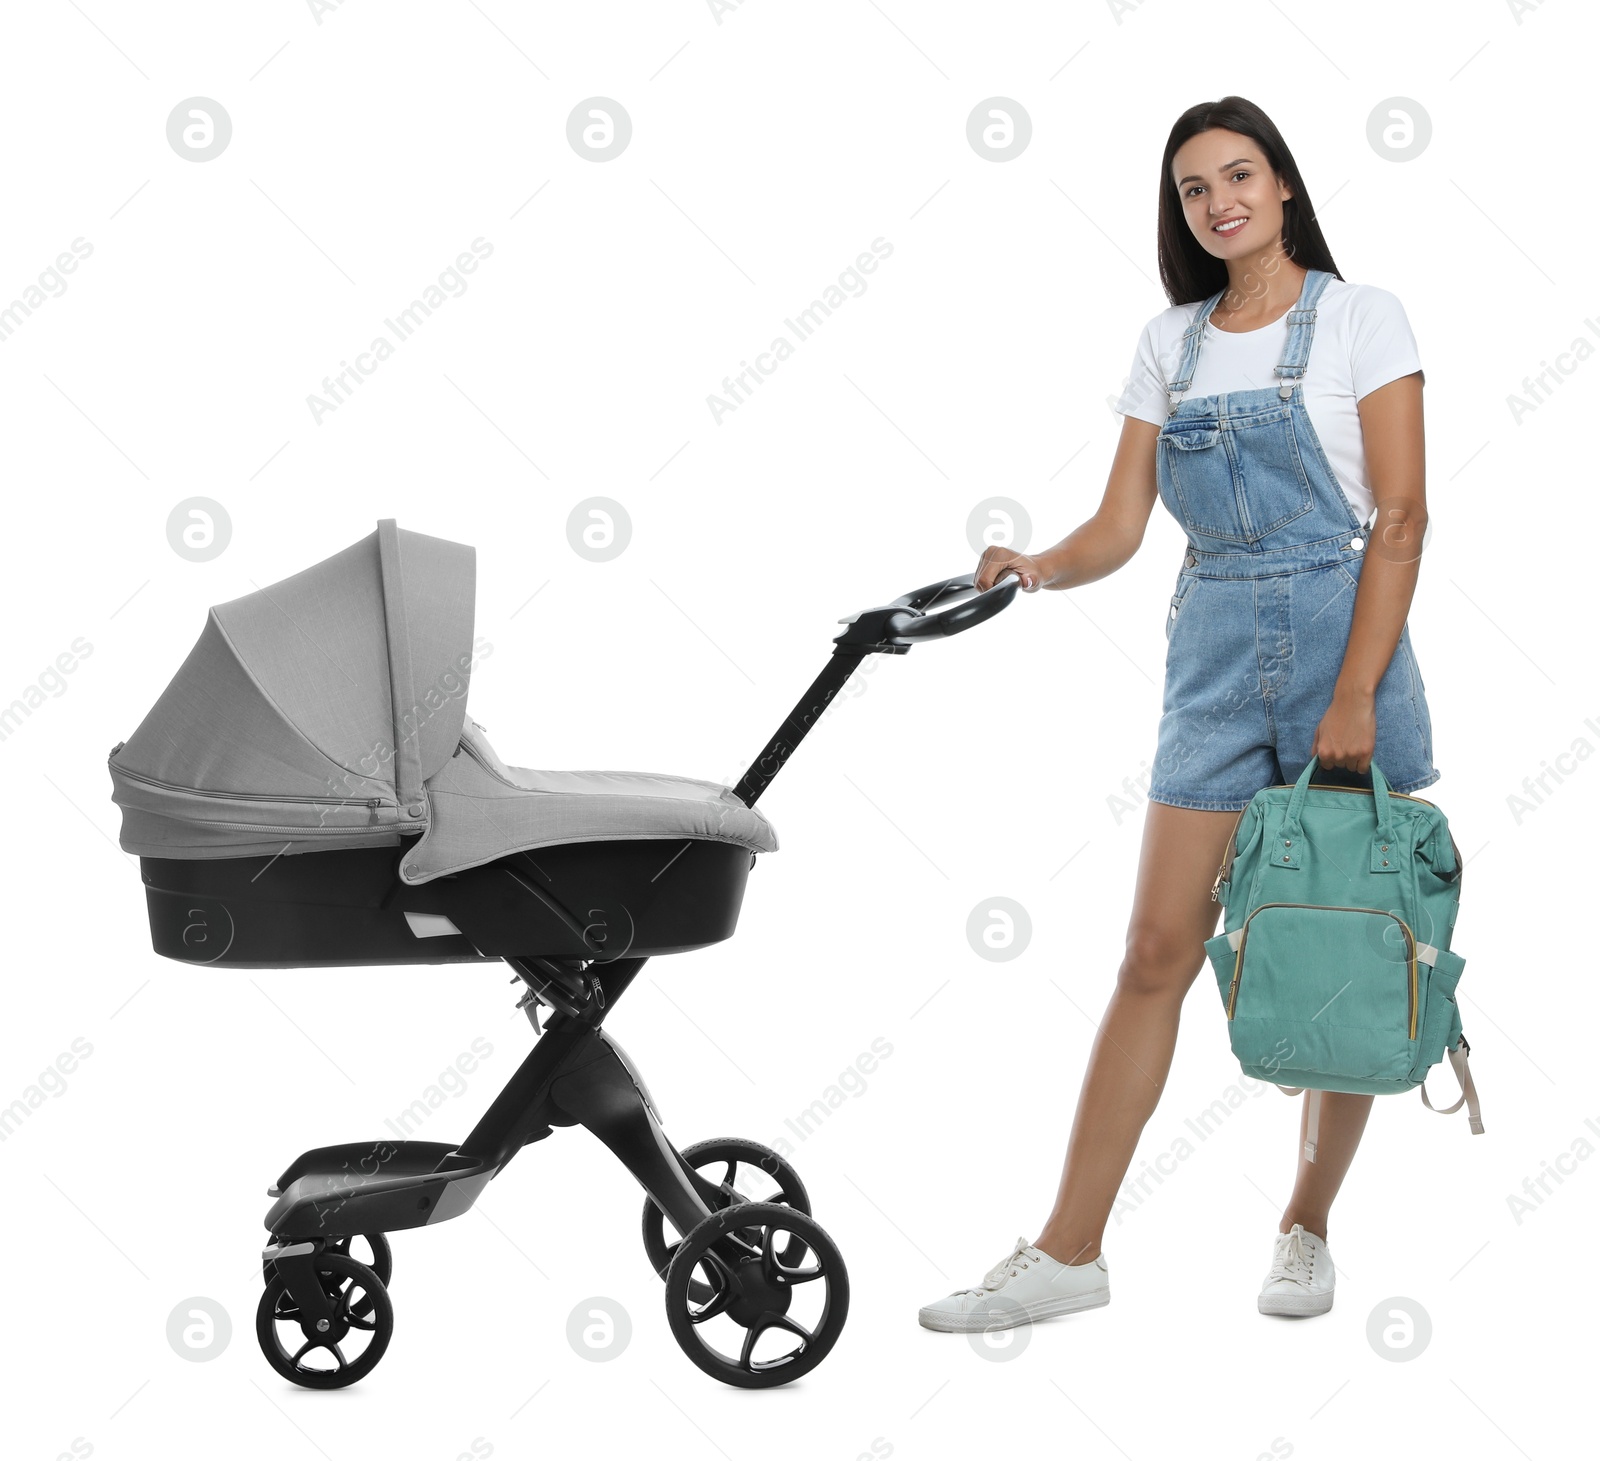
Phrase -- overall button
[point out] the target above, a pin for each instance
(1357, 544)
(1189, 561)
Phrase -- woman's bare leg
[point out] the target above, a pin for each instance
(1340, 1123)
(1173, 915)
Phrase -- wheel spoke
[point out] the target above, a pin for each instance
(783, 1273)
(713, 1306)
(794, 1326)
(776, 1195)
(775, 1270)
(353, 1309)
(721, 1292)
(770, 1320)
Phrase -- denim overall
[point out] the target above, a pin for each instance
(1258, 624)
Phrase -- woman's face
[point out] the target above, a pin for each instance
(1232, 200)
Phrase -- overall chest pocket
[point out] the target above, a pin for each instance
(1194, 469)
(1277, 487)
(1240, 484)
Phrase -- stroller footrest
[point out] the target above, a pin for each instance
(374, 1187)
(365, 1158)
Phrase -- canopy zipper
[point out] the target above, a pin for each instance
(301, 833)
(252, 796)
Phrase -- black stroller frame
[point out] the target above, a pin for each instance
(595, 913)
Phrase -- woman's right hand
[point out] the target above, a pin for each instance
(996, 562)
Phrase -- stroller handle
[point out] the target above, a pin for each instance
(895, 627)
(890, 629)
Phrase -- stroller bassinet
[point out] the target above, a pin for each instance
(309, 791)
(327, 714)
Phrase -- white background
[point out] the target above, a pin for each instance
(768, 150)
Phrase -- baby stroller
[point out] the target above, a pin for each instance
(309, 792)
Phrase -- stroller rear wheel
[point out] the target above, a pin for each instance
(766, 1319)
(767, 1178)
(354, 1340)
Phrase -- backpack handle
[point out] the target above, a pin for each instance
(1384, 845)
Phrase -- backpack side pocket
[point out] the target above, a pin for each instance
(1222, 955)
(1441, 1021)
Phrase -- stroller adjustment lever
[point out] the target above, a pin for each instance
(571, 991)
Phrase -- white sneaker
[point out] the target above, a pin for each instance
(1300, 1280)
(1027, 1285)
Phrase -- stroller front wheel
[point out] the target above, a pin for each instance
(776, 1294)
(381, 1262)
(335, 1352)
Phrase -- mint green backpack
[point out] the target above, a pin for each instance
(1335, 966)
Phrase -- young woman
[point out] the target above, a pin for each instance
(1277, 412)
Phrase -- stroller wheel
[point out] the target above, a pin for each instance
(381, 1263)
(766, 1177)
(354, 1341)
(766, 1320)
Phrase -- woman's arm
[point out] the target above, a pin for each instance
(1108, 539)
(1391, 429)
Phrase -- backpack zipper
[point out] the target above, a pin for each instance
(1227, 855)
(1411, 944)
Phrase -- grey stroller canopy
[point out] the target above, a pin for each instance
(329, 710)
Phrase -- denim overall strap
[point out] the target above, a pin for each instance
(1297, 348)
(1191, 351)
(1302, 321)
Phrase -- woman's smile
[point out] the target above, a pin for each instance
(1219, 171)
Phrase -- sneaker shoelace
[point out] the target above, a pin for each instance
(1292, 1259)
(1008, 1267)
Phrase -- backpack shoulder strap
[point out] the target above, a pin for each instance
(1312, 1108)
(1469, 1092)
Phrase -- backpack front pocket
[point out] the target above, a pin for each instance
(1325, 990)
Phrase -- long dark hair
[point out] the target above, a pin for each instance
(1188, 272)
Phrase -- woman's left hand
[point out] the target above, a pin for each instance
(1348, 731)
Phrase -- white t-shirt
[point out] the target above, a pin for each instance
(1362, 340)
